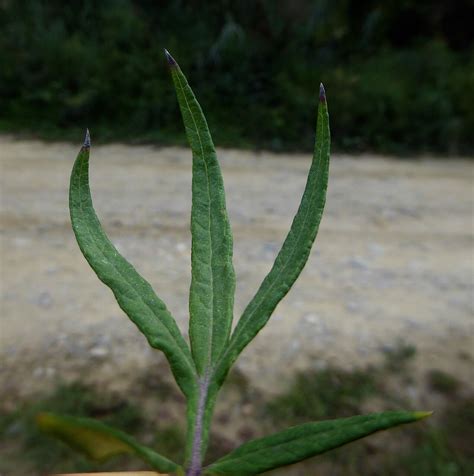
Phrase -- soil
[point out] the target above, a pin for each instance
(392, 263)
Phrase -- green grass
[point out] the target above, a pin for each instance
(318, 395)
(441, 447)
(397, 358)
(442, 382)
(26, 451)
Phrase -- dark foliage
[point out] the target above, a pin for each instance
(399, 75)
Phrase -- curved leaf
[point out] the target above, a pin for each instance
(133, 293)
(303, 441)
(211, 299)
(99, 441)
(294, 252)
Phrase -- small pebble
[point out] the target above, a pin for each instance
(358, 263)
(99, 352)
(44, 300)
(181, 247)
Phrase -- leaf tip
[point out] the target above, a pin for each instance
(322, 93)
(421, 415)
(87, 140)
(170, 59)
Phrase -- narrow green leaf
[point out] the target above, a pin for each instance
(99, 441)
(213, 281)
(294, 252)
(133, 293)
(303, 441)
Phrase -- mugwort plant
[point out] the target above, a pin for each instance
(201, 368)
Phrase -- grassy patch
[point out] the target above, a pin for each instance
(397, 358)
(25, 451)
(438, 448)
(318, 395)
(442, 382)
(442, 447)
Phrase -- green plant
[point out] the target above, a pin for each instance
(201, 369)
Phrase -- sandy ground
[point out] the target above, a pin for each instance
(392, 263)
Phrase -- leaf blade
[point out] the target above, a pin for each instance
(304, 441)
(294, 252)
(213, 279)
(99, 441)
(133, 293)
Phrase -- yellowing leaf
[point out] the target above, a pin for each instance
(99, 441)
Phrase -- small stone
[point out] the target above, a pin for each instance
(311, 318)
(22, 242)
(270, 249)
(38, 372)
(99, 352)
(44, 300)
(358, 263)
(181, 247)
(293, 348)
(49, 372)
(375, 249)
(320, 364)
(353, 306)
(387, 348)
(412, 392)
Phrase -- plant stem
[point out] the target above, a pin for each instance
(195, 465)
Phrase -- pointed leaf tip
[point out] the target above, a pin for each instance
(322, 93)
(87, 140)
(169, 58)
(421, 415)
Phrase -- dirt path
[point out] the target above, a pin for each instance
(393, 260)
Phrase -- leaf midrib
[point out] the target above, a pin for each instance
(320, 434)
(211, 327)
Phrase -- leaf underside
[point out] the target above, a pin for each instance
(303, 441)
(211, 299)
(133, 293)
(99, 441)
(294, 252)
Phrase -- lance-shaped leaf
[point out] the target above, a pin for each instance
(133, 293)
(99, 441)
(295, 250)
(211, 298)
(303, 441)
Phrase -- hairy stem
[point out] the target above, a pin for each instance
(195, 464)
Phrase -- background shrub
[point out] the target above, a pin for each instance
(400, 75)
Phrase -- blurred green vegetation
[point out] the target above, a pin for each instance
(440, 446)
(437, 447)
(27, 451)
(399, 74)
